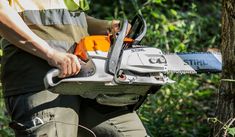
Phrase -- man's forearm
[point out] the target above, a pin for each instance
(98, 26)
(13, 28)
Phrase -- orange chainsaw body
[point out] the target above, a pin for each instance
(94, 43)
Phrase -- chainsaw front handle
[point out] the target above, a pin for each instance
(48, 80)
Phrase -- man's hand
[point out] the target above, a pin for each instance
(67, 63)
(116, 27)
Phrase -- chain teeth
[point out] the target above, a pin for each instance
(182, 72)
(182, 53)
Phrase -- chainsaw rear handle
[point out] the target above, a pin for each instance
(48, 80)
(89, 73)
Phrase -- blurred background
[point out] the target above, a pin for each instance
(180, 109)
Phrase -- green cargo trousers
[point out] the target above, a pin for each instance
(46, 114)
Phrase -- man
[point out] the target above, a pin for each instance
(38, 34)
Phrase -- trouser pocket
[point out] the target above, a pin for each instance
(29, 129)
(44, 114)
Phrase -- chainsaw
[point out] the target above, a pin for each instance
(117, 72)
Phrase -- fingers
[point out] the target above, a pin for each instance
(76, 66)
(70, 66)
(68, 63)
(128, 29)
(116, 27)
(64, 68)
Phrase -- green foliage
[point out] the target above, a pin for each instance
(172, 25)
(181, 27)
(231, 131)
(181, 109)
(227, 127)
(5, 131)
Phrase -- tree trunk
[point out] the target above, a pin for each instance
(225, 111)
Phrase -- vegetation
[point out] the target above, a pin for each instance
(5, 131)
(180, 109)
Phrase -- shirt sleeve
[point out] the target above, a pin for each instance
(98, 26)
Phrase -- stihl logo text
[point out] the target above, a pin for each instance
(137, 50)
(196, 62)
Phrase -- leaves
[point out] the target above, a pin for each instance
(180, 109)
(5, 131)
(231, 131)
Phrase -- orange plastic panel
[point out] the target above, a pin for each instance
(94, 43)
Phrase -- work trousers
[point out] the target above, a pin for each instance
(46, 114)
